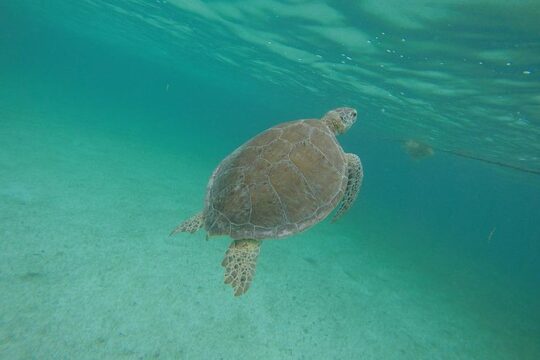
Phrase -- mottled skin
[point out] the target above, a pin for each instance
(281, 182)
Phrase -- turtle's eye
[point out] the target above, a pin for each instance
(354, 113)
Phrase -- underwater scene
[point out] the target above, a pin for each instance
(148, 212)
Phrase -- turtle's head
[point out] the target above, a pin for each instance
(340, 120)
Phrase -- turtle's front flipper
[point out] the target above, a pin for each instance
(356, 174)
(239, 263)
(190, 225)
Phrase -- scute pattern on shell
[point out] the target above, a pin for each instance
(281, 182)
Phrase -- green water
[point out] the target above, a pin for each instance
(113, 115)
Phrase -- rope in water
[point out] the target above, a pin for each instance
(470, 156)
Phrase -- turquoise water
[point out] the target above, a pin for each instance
(113, 115)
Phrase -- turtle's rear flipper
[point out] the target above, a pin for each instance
(239, 263)
(190, 225)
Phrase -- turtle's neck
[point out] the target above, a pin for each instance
(334, 123)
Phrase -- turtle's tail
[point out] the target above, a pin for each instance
(190, 225)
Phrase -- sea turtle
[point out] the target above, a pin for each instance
(281, 182)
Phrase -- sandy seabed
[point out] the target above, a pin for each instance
(87, 270)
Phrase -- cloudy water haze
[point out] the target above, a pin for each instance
(114, 114)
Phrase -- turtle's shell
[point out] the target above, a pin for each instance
(281, 182)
